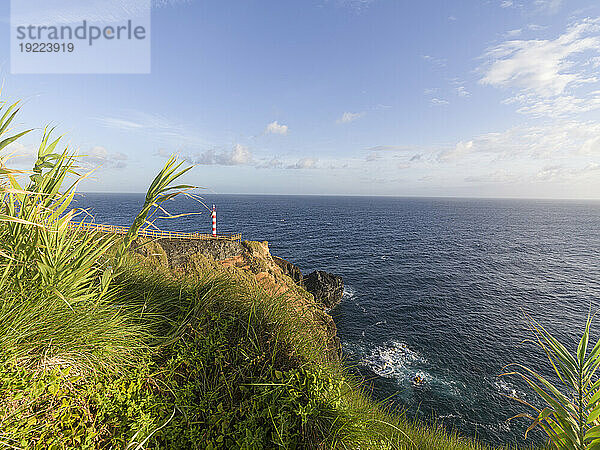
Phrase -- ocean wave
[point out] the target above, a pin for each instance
(505, 388)
(349, 292)
(393, 360)
(449, 416)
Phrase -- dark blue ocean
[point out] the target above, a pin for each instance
(435, 287)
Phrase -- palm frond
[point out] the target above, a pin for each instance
(571, 417)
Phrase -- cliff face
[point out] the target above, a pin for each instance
(248, 261)
(290, 270)
(328, 288)
(325, 287)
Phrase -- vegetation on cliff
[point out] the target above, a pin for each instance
(102, 348)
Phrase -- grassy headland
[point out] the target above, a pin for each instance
(103, 348)
(199, 362)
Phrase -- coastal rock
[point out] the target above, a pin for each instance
(291, 270)
(326, 287)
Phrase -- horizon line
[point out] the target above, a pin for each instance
(448, 197)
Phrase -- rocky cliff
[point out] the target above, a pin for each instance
(250, 262)
(326, 288)
(290, 270)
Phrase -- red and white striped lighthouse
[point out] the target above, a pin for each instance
(214, 221)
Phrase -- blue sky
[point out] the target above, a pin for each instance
(369, 97)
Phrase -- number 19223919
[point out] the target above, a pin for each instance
(46, 47)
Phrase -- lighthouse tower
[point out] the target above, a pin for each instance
(214, 221)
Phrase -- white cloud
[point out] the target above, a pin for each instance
(556, 107)
(439, 101)
(534, 27)
(24, 156)
(594, 62)
(120, 124)
(356, 5)
(297, 164)
(552, 173)
(551, 6)
(556, 173)
(304, 163)
(137, 120)
(591, 146)
(460, 150)
(238, 156)
(273, 163)
(545, 73)
(461, 91)
(17, 149)
(498, 176)
(542, 66)
(391, 148)
(17, 154)
(560, 173)
(385, 157)
(439, 62)
(100, 156)
(348, 117)
(514, 33)
(560, 139)
(156, 126)
(506, 4)
(276, 128)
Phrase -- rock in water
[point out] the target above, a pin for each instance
(326, 287)
(289, 269)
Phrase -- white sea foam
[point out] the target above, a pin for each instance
(449, 416)
(422, 376)
(394, 360)
(505, 388)
(349, 292)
